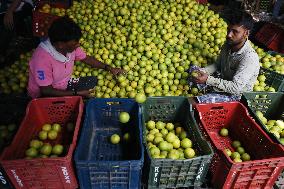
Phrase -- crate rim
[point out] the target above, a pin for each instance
(83, 133)
(74, 139)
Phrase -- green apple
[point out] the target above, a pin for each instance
(124, 117)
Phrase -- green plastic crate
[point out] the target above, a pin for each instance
(167, 173)
(273, 79)
(269, 103)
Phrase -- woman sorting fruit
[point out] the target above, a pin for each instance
(237, 65)
(51, 65)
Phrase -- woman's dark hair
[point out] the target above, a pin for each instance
(64, 29)
(240, 18)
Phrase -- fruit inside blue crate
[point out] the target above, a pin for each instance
(168, 140)
(275, 127)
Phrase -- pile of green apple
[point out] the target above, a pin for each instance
(42, 148)
(168, 140)
(275, 127)
(272, 62)
(154, 41)
(238, 153)
(6, 134)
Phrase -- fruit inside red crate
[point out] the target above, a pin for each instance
(267, 157)
(55, 172)
(38, 115)
(241, 127)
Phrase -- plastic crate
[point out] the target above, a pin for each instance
(279, 184)
(267, 157)
(12, 110)
(101, 164)
(267, 34)
(168, 173)
(5, 183)
(41, 20)
(44, 172)
(273, 79)
(203, 2)
(270, 104)
(276, 44)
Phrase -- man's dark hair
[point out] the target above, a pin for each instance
(64, 29)
(240, 18)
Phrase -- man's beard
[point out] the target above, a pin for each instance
(233, 43)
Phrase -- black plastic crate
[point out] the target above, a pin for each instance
(269, 103)
(273, 79)
(279, 184)
(168, 173)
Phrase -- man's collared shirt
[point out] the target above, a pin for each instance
(239, 70)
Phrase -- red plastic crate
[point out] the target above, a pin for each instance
(268, 34)
(267, 157)
(42, 21)
(39, 173)
(277, 43)
(203, 2)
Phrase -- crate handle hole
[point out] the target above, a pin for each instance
(113, 103)
(217, 108)
(59, 102)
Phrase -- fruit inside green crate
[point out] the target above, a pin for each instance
(48, 141)
(260, 84)
(236, 151)
(168, 140)
(275, 127)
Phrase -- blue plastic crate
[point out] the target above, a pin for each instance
(101, 164)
